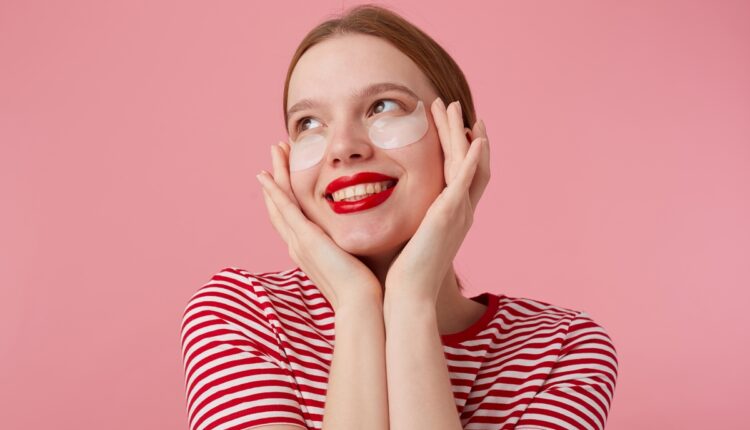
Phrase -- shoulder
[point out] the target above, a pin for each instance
(523, 310)
(242, 302)
(235, 365)
(232, 284)
(574, 326)
(233, 293)
(575, 360)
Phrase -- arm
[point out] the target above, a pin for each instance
(234, 375)
(420, 394)
(357, 397)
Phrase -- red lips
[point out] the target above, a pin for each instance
(359, 178)
(343, 207)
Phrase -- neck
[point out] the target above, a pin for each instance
(453, 309)
(379, 265)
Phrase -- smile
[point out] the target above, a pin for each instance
(359, 192)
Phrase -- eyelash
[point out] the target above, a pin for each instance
(301, 120)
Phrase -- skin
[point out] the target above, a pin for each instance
(331, 71)
(400, 253)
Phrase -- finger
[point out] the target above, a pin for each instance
(462, 182)
(287, 154)
(441, 123)
(276, 219)
(290, 212)
(476, 131)
(482, 175)
(470, 134)
(452, 162)
(281, 171)
(459, 144)
(285, 147)
(486, 157)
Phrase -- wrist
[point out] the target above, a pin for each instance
(408, 292)
(405, 301)
(361, 304)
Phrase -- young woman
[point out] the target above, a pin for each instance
(374, 194)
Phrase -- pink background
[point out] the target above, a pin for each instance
(131, 133)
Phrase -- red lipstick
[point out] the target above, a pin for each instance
(342, 207)
(359, 178)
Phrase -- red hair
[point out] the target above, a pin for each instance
(441, 70)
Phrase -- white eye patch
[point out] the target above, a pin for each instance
(398, 131)
(389, 132)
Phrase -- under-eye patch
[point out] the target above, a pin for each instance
(388, 132)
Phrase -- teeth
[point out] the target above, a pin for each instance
(359, 191)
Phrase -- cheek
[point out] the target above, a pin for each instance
(303, 185)
(431, 165)
(424, 163)
(432, 158)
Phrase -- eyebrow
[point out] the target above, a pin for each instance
(368, 91)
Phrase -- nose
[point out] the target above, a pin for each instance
(349, 143)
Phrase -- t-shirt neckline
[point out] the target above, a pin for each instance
(486, 298)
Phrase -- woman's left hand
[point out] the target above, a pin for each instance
(418, 271)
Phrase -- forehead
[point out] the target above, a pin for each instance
(337, 67)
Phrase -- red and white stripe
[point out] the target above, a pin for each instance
(257, 349)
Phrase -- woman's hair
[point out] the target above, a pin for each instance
(444, 74)
(446, 77)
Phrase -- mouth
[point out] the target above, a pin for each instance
(359, 192)
(358, 184)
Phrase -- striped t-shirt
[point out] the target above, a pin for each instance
(257, 350)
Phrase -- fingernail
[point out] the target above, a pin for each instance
(440, 103)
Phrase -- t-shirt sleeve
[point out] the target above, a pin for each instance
(234, 378)
(579, 390)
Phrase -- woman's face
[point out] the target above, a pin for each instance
(333, 74)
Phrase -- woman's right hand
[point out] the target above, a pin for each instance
(340, 276)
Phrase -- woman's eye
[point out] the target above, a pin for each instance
(382, 103)
(301, 123)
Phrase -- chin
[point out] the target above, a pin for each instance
(371, 242)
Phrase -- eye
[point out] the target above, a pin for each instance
(301, 123)
(382, 102)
